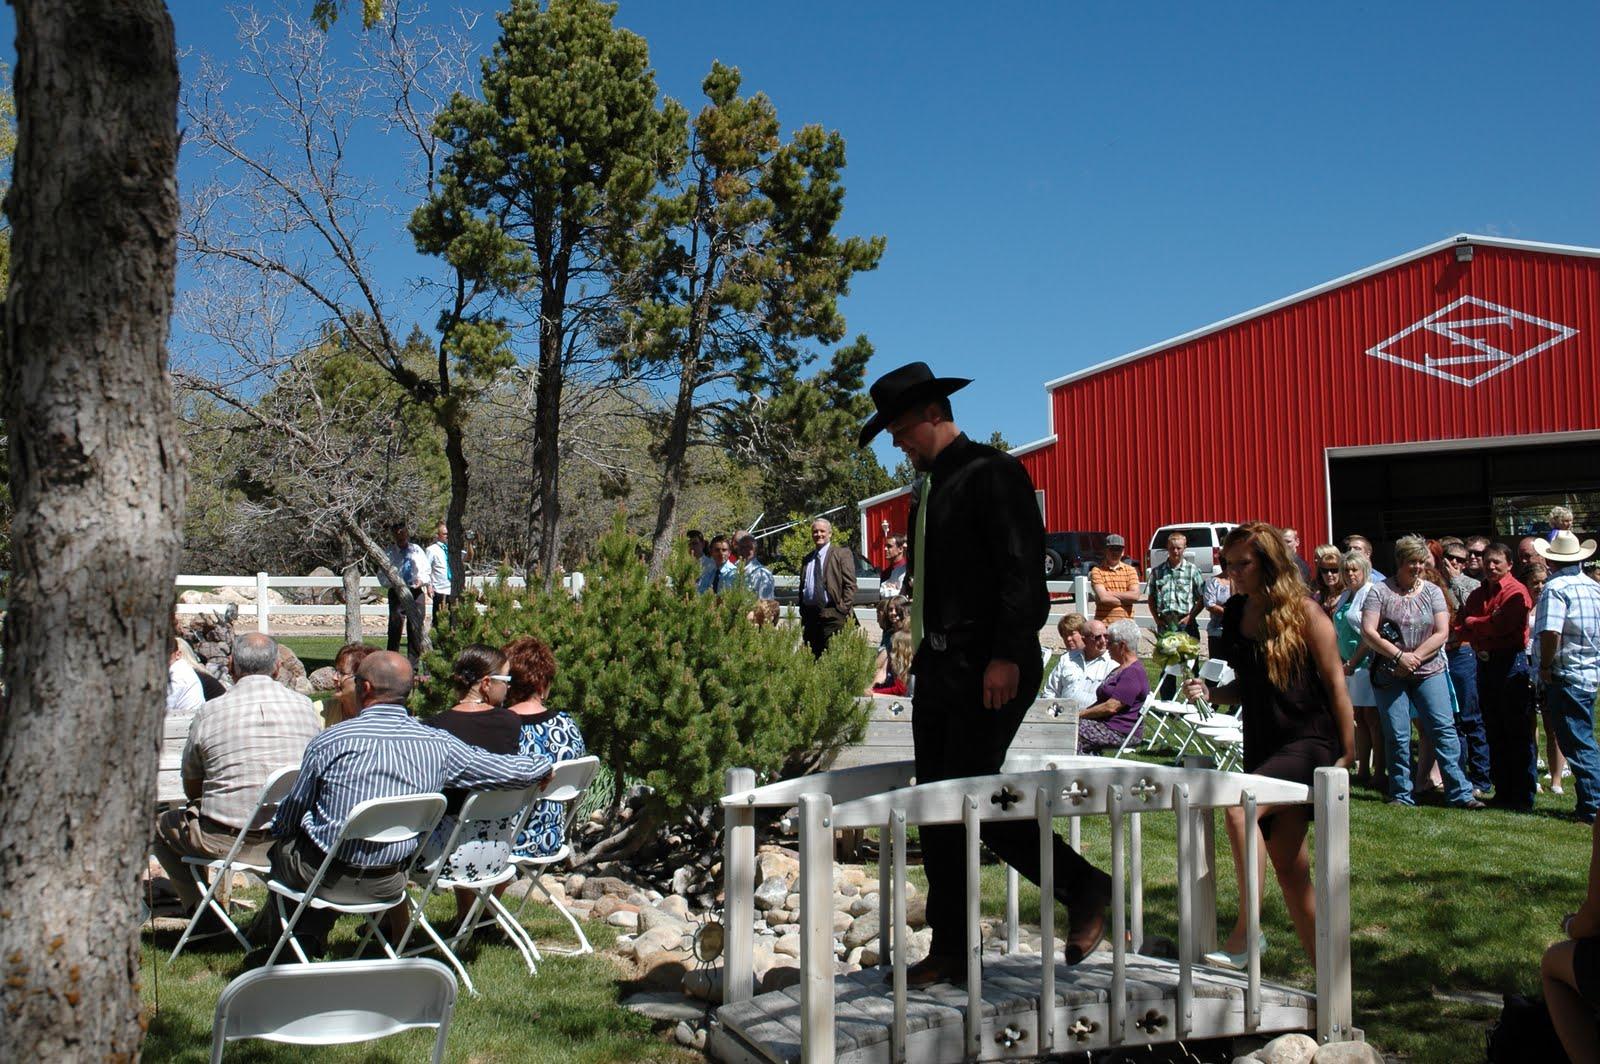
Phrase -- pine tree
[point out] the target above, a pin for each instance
(670, 687)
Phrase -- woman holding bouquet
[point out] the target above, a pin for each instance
(1297, 716)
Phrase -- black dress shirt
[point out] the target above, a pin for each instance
(984, 572)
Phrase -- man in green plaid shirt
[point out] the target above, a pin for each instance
(1176, 590)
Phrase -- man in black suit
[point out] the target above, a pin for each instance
(827, 587)
(978, 600)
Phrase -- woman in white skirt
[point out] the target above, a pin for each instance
(1358, 681)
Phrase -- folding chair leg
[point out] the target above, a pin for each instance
(208, 901)
(421, 920)
(583, 940)
(515, 932)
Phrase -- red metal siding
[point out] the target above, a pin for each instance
(1242, 417)
(895, 510)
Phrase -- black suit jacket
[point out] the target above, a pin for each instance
(838, 581)
(984, 541)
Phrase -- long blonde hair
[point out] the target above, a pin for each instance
(1284, 649)
(900, 653)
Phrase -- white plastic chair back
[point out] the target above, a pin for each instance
(494, 805)
(395, 819)
(1217, 671)
(332, 1004)
(273, 791)
(571, 779)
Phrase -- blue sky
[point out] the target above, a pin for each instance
(1061, 183)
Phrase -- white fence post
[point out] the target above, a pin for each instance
(261, 604)
(1080, 595)
(1332, 797)
(816, 929)
(738, 888)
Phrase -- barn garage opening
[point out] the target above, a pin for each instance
(1503, 491)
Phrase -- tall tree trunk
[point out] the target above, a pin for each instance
(674, 459)
(97, 478)
(547, 430)
(352, 601)
(456, 516)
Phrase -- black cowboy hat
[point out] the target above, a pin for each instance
(900, 389)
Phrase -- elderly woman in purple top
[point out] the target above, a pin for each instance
(1120, 696)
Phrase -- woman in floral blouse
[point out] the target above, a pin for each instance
(550, 732)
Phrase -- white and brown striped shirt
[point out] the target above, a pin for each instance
(240, 738)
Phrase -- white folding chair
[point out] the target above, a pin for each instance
(333, 1004)
(376, 820)
(568, 783)
(221, 870)
(480, 807)
(1160, 711)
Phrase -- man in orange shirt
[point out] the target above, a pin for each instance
(1116, 583)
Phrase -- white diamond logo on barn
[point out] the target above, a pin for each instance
(1470, 341)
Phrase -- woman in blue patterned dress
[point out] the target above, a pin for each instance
(549, 732)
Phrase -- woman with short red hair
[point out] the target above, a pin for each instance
(544, 730)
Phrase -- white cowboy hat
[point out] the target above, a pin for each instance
(1564, 549)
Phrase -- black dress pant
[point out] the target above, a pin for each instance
(407, 621)
(817, 628)
(956, 737)
(1505, 698)
(441, 606)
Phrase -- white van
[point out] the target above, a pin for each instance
(1205, 544)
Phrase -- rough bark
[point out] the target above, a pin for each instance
(456, 516)
(547, 429)
(97, 476)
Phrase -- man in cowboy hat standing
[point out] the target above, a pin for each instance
(977, 602)
(1567, 625)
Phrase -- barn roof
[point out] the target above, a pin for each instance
(1326, 286)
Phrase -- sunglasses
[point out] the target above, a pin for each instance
(1476, 553)
(502, 677)
(1329, 572)
(1459, 559)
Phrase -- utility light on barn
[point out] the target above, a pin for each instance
(1463, 251)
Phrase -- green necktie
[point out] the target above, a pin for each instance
(919, 567)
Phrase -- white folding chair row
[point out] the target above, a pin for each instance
(220, 870)
(568, 783)
(376, 820)
(332, 1004)
(1162, 712)
(479, 808)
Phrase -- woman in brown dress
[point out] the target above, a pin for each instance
(1297, 715)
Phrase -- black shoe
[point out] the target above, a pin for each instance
(1087, 916)
(1470, 803)
(934, 968)
(209, 925)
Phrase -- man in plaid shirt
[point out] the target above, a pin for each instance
(235, 742)
(1177, 589)
(1567, 625)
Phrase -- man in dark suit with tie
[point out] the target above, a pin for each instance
(827, 587)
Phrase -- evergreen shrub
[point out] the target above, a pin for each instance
(671, 687)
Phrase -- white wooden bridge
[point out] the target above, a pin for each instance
(1024, 1006)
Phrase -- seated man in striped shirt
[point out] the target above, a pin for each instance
(381, 753)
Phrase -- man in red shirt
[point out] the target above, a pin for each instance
(1495, 621)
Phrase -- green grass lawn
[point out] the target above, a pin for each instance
(566, 1014)
(317, 651)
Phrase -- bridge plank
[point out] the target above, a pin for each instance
(770, 1022)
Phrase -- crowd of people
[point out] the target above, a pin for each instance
(1470, 643)
(500, 733)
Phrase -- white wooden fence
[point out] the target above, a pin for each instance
(1134, 1001)
(262, 609)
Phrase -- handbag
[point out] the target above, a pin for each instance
(1382, 669)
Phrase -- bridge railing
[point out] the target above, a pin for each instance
(1039, 788)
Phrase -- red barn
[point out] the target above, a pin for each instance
(1454, 389)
